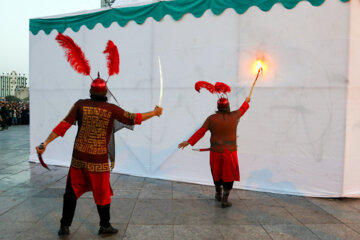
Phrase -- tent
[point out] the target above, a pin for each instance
(301, 132)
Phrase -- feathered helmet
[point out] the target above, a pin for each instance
(221, 89)
(80, 64)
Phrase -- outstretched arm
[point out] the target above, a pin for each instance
(156, 112)
(244, 107)
(196, 136)
(41, 148)
(183, 144)
(59, 130)
(136, 118)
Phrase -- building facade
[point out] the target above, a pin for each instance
(13, 84)
(107, 3)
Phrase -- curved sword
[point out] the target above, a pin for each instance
(201, 149)
(41, 159)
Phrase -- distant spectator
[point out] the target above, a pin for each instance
(9, 115)
(14, 119)
(25, 115)
(3, 115)
(13, 113)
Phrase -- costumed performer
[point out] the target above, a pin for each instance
(90, 170)
(223, 151)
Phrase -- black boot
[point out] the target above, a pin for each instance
(63, 231)
(218, 193)
(224, 202)
(107, 230)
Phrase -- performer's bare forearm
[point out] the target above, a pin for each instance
(156, 112)
(41, 148)
(50, 138)
(147, 115)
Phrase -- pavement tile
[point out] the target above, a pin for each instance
(20, 192)
(333, 231)
(196, 232)
(244, 232)
(147, 193)
(314, 217)
(39, 231)
(157, 184)
(290, 232)
(11, 230)
(307, 212)
(284, 197)
(250, 195)
(4, 186)
(151, 212)
(4, 175)
(14, 169)
(8, 203)
(188, 212)
(209, 212)
(339, 209)
(31, 210)
(126, 193)
(188, 191)
(351, 202)
(18, 178)
(149, 232)
(354, 226)
(262, 202)
(61, 183)
(128, 182)
(269, 215)
(50, 193)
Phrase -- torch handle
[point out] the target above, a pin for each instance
(252, 88)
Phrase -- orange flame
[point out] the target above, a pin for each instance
(258, 67)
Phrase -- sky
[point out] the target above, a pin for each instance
(14, 27)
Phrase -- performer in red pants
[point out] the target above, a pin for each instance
(223, 151)
(90, 170)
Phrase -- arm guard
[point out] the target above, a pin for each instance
(244, 107)
(197, 136)
(61, 128)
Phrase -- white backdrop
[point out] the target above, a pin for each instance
(291, 140)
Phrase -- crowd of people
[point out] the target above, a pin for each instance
(13, 113)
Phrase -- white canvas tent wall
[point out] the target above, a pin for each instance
(300, 134)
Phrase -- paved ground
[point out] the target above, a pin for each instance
(144, 208)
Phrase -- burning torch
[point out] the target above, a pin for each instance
(259, 69)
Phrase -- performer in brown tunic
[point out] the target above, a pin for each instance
(90, 170)
(223, 150)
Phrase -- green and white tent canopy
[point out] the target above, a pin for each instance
(301, 133)
(176, 9)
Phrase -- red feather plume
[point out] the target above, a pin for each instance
(74, 54)
(203, 84)
(222, 88)
(113, 59)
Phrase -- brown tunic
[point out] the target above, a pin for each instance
(223, 130)
(95, 122)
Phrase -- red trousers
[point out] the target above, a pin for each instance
(83, 181)
(225, 166)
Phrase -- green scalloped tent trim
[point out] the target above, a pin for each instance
(176, 9)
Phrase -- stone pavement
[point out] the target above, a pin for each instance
(144, 208)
